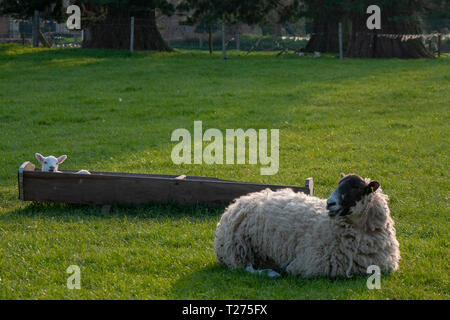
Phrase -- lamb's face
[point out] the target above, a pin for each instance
(351, 189)
(50, 163)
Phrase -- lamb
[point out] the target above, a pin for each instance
(51, 163)
(308, 236)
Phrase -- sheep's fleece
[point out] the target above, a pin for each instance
(292, 232)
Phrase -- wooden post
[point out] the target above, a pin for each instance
(439, 45)
(210, 39)
(309, 183)
(224, 52)
(132, 35)
(341, 50)
(238, 40)
(169, 37)
(35, 31)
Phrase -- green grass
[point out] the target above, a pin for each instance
(385, 119)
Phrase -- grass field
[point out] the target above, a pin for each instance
(385, 119)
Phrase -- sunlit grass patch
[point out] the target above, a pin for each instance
(110, 111)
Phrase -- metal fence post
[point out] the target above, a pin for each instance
(132, 35)
(35, 31)
(341, 51)
(224, 53)
(439, 45)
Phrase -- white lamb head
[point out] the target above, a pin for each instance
(50, 163)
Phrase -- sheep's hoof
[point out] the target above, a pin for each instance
(267, 272)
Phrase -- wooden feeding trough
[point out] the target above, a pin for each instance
(107, 188)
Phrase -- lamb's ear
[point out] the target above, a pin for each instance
(342, 174)
(39, 157)
(62, 158)
(373, 186)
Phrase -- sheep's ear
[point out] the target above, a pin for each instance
(39, 157)
(373, 186)
(62, 158)
(342, 174)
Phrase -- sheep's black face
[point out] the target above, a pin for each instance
(351, 189)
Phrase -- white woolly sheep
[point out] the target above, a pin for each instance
(304, 235)
(51, 163)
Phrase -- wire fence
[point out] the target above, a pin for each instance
(287, 38)
(54, 34)
(277, 38)
(55, 39)
(262, 37)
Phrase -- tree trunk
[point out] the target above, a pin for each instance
(389, 42)
(114, 32)
(324, 36)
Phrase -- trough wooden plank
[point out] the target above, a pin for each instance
(124, 188)
(92, 189)
(218, 193)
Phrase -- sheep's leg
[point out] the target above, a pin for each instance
(268, 272)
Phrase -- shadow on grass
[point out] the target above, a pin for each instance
(218, 282)
(158, 211)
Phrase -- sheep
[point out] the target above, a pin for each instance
(51, 163)
(308, 236)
